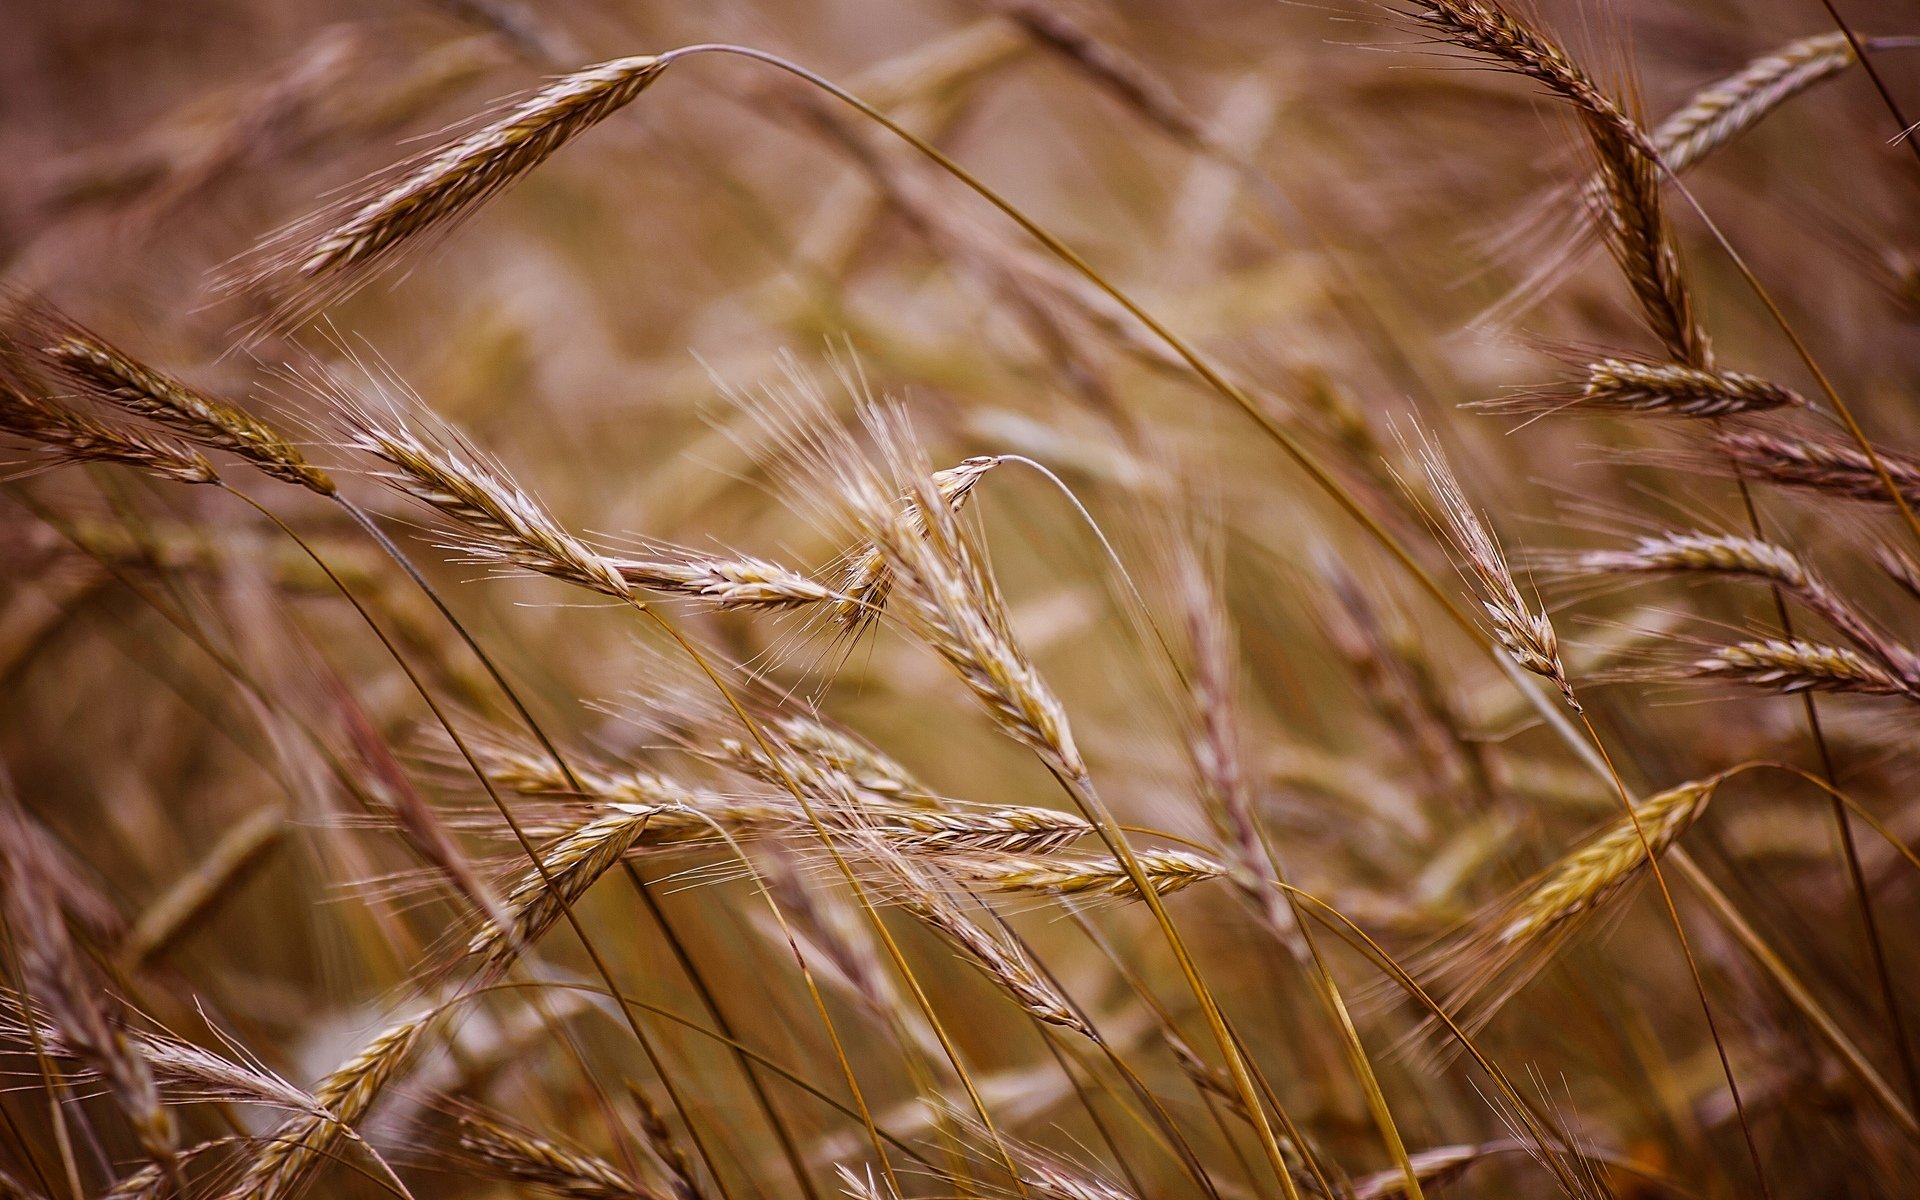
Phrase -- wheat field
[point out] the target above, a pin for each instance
(1064, 601)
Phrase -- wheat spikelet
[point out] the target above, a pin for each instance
(185, 1072)
(1690, 552)
(1167, 871)
(1059, 1182)
(1488, 29)
(520, 1156)
(1696, 553)
(728, 583)
(1626, 203)
(574, 864)
(333, 253)
(950, 599)
(1796, 665)
(112, 376)
(920, 891)
(870, 772)
(151, 1182)
(669, 814)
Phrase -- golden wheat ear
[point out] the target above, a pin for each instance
(324, 258)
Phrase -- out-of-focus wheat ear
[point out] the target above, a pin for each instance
(237, 853)
(1587, 878)
(325, 257)
(1796, 665)
(60, 983)
(666, 1148)
(151, 1182)
(105, 373)
(1722, 111)
(513, 1154)
(1526, 634)
(1817, 464)
(1167, 871)
(1900, 567)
